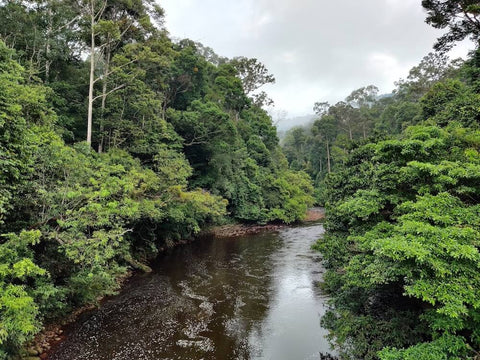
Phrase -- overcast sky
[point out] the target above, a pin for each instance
(317, 49)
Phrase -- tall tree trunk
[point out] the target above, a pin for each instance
(328, 158)
(47, 46)
(104, 95)
(92, 73)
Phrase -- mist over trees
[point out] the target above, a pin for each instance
(362, 116)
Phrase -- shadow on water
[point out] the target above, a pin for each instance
(252, 297)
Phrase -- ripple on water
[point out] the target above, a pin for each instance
(204, 345)
(249, 298)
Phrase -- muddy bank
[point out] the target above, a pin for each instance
(315, 214)
(236, 230)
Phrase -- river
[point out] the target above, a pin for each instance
(252, 297)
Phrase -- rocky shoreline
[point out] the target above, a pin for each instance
(52, 334)
(234, 230)
(38, 348)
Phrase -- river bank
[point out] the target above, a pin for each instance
(235, 230)
(53, 334)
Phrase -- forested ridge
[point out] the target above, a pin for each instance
(115, 143)
(399, 175)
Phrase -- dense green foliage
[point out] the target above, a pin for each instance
(403, 217)
(403, 237)
(81, 209)
(460, 17)
(178, 140)
(323, 146)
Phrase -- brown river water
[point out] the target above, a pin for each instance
(251, 297)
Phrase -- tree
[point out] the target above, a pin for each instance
(294, 146)
(228, 90)
(460, 17)
(18, 309)
(402, 246)
(187, 76)
(364, 99)
(321, 108)
(109, 24)
(254, 75)
(22, 107)
(325, 129)
(347, 117)
(42, 32)
(121, 23)
(209, 54)
(433, 68)
(365, 96)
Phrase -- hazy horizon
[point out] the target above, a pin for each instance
(317, 50)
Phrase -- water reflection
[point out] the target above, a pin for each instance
(291, 329)
(245, 298)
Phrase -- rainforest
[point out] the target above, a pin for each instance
(119, 143)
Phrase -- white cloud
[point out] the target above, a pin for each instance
(388, 69)
(289, 57)
(317, 49)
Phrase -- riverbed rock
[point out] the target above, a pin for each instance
(237, 230)
(32, 351)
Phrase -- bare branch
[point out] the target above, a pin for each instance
(100, 12)
(203, 139)
(114, 70)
